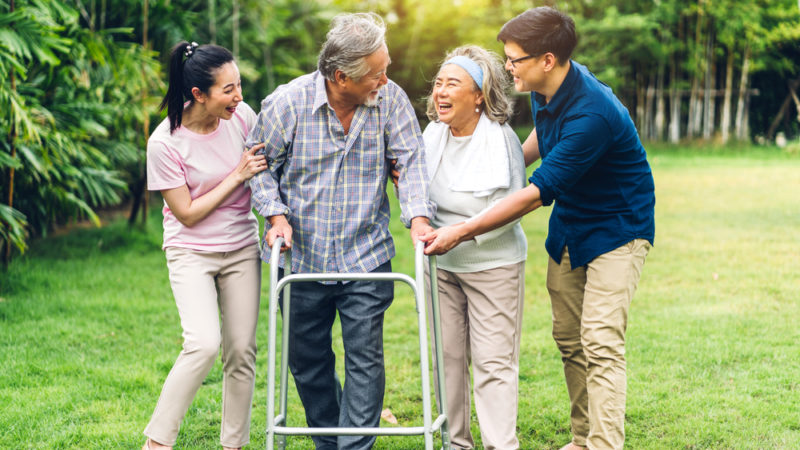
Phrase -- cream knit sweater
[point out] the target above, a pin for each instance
(500, 247)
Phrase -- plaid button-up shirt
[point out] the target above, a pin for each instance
(332, 185)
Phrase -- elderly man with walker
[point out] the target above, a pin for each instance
(329, 136)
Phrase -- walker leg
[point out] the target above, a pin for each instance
(439, 353)
(273, 306)
(273, 336)
(284, 391)
(419, 299)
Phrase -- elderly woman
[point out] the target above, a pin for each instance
(475, 160)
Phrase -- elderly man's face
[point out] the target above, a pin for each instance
(365, 90)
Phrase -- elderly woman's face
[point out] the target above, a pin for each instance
(455, 96)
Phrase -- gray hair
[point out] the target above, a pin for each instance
(351, 39)
(496, 103)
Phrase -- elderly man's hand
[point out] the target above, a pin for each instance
(420, 226)
(279, 227)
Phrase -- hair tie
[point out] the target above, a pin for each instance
(472, 68)
(189, 49)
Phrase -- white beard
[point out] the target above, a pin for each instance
(372, 101)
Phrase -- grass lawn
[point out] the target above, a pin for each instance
(88, 327)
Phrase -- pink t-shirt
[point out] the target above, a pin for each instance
(201, 162)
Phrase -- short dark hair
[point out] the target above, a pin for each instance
(542, 30)
(190, 66)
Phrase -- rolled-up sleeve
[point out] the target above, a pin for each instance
(584, 139)
(274, 127)
(404, 143)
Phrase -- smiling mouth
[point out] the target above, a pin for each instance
(444, 107)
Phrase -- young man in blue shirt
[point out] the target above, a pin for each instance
(594, 171)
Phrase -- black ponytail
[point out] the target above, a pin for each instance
(190, 66)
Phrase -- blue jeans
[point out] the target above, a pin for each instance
(361, 306)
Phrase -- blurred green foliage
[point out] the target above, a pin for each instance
(80, 84)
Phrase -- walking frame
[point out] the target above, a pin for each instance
(277, 425)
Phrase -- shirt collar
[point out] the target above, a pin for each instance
(562, 94)
(320, 94)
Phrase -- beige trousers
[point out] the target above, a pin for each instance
(481, 316)
(207, 285)
(590, 316)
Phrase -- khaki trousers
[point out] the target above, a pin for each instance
(481, 317)
(207, 285)
(590, 316)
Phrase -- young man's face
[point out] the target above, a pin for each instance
(526, 70)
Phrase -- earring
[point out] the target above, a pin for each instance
(477, 110)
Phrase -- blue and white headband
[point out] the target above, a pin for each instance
(472, 68)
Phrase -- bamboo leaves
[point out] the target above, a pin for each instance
(69, 119)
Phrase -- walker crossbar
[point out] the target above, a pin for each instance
(276, 424)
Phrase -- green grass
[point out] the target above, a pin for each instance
(88, 327)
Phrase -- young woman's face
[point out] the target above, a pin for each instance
(226, 93)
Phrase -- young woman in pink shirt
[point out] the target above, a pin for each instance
(197, 159)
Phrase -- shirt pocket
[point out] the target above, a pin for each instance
(369, 153)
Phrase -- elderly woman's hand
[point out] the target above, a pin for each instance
(442, 240)
(394, 173)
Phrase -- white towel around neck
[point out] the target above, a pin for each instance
(484, 167)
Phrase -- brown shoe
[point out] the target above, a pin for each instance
(572, 446)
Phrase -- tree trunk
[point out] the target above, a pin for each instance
(709, 100)
(212, 21)
(103, 8)
(674, 113)
(792, 89)
(139, 197)
(695, 107)
(13, 141)
(648, 108)
(773, 127)
(660, 106)
(746, 119)
(725, 120)
(641, 94)
(674, 96)
(743, 86)
(235, 26)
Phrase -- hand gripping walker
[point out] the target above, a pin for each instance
(276, 425)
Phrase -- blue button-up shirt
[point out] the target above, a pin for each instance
(594, 167)
(332, 185)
